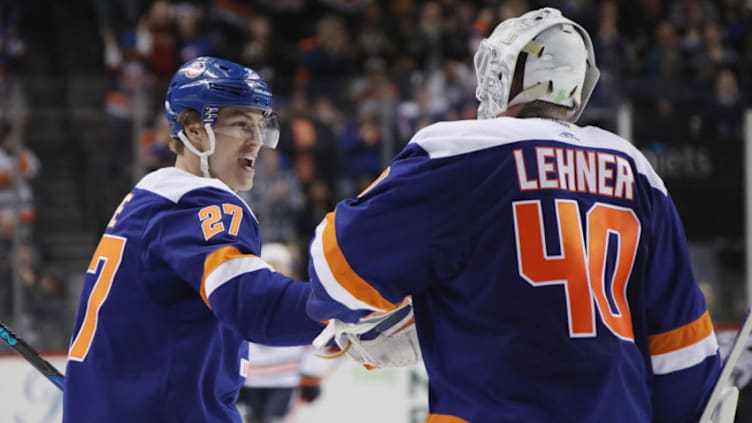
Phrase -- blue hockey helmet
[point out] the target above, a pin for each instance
(206, 84)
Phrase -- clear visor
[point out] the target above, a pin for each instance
(264, 132)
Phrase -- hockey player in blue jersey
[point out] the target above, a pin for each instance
(176, 284)
(545, 261)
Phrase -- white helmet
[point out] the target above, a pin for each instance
(560, 66)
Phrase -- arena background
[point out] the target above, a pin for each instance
(82, 85)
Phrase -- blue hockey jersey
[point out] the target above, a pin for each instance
(548, 270)
(174, 288)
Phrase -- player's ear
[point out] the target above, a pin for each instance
(193, 131)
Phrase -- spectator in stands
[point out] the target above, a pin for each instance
(639, 23)
(715, 55)
(664, 58)
(156, 41)
(407, 58)
(327, 60)
(689, 16)
(615, 60)
(150, 54)
(274, 58)
(372, 39)
(724, 113)
(427, 43)
(193, 39)
(449, 87)
(16, 171)
(114, 19)
(735, 25)
(360, 154)
(455, 32)
(690, 20)
(26, 264)
(374, 92)
(326, 112)
(227, 24)
(310, 145)
(47, 306)
(12, 43)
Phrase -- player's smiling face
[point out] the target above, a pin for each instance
(237, 146)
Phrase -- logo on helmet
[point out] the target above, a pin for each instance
(194, 69)
(210, 114)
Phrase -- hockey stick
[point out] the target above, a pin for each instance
(31, 355)
(724, 396)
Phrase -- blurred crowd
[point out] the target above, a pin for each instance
(22, 262)
(354, 80)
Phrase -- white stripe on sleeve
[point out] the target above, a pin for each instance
(230, 269)
(686, 357)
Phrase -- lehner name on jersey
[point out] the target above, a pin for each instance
(574, 169)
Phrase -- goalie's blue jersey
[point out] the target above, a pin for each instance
(548, 269)
(174, 287)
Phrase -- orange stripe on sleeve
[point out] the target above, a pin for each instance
(212, 261)
(444, 418)
(344, 274)
(683, 336)
(376, 181)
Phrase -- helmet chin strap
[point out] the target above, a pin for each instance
(202, 155)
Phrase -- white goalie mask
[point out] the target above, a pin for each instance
(560, 66)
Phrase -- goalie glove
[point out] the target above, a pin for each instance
(382, 340)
